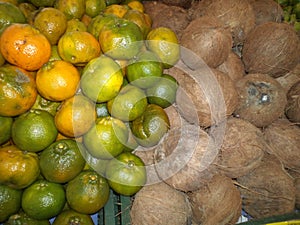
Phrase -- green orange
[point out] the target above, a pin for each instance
(70, 216)
(5, 128)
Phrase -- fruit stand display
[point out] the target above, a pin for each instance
(116, 112)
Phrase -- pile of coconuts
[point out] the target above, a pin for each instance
(233, 145)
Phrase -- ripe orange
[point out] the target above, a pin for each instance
(57, 80)
(25, 46)
(18, 169)
(17, 90)
(116, 9)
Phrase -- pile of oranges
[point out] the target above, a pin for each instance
(82, 85)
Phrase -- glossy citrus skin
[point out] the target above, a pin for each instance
(72, 217)
(46, 105)
(18, 169)
(94, 7)
(25, 46)
(118, 10)
(73, 9)
(5, 128)
(10, 13)
(17, 90)
(23, 218)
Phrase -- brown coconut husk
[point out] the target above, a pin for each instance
(292, 109)
(205, 96)
(289, 79)
(284, 139)
(242, 148)
(184, 158)
(163, 15)
(233, 66)
(208, 39)
(266, 11)
(268, 190)
(237, 15)
(271, 48)
(160, 204)
(181, 3)
(296, 176)
(217, 202)
(261, 99)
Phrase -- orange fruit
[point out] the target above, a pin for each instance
(95, 164)
(43, 199)
(88, 192)
(61, 161)
(10, 202)
(17, 90)
(116, 9)
(52, 23)
(94, 7)
(10, 13)
(54, 53)
(34, 130)
(29, 10)
(18, 169)
(78, 47)
(136, 5)
(164, 42)
(126, 174)
(44, 104)
(73, 9)
(23, 218)
(151, 126)
(121, 39)
(25, 46)
(106, 138)
(57, 80)
(75, 116)
(101, 79)
(42, 3)
(5, 128)
(70, 216)
(129, 104)
(75, 25)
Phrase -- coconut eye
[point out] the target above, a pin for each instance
(264, 98)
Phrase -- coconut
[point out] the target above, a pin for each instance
(233, 66)
(205, 96)
(268, 190)
(242, 148)
(181, 3)
(284, 139)
(296, 176)
(208, 39)
(163, 15)
(217, 202)
(261, 99)
(183, 158)
(289, 79)
(237, 15)
(292, 109)
(160, 204)
(271, 48)
(266, 11)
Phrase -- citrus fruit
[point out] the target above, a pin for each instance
(61, 161)
(75, 25)
(101, 79)
(43, 199)
(5, 128)
(121, 39)
(57, 80)
(163, 41)
(75, 116)
(42, 3)
(17, 90)
(129, 104)
(73, 9)
(116, 9)
(88, 192)
(163, 93)
(78, 47)
(70, 216)
(106, 138)
(10, 201)
(126, 174)
(54, 53)
(52, 23)
(10, 13)
(25, 46)
(94, 7)
(34, 130)
(44, 104)
(110, 2)
(24, 219)
(18, 169)
(151, 126)
(136, 5)
(28, 10)
(131, 143)
(95, 164)
(144, 70)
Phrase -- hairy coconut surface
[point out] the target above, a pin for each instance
(181, 3)
(242, 148)
(289, 79)
(266, 11)
(183, 158)
(284, 139)
(233, 66)
(237, 15)
(261, 99)
(271, 48)
(268, 190)
(163, 15)
(292, 109)
(160, 204)
(296, 176)
(217, 202)
(208, 39)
